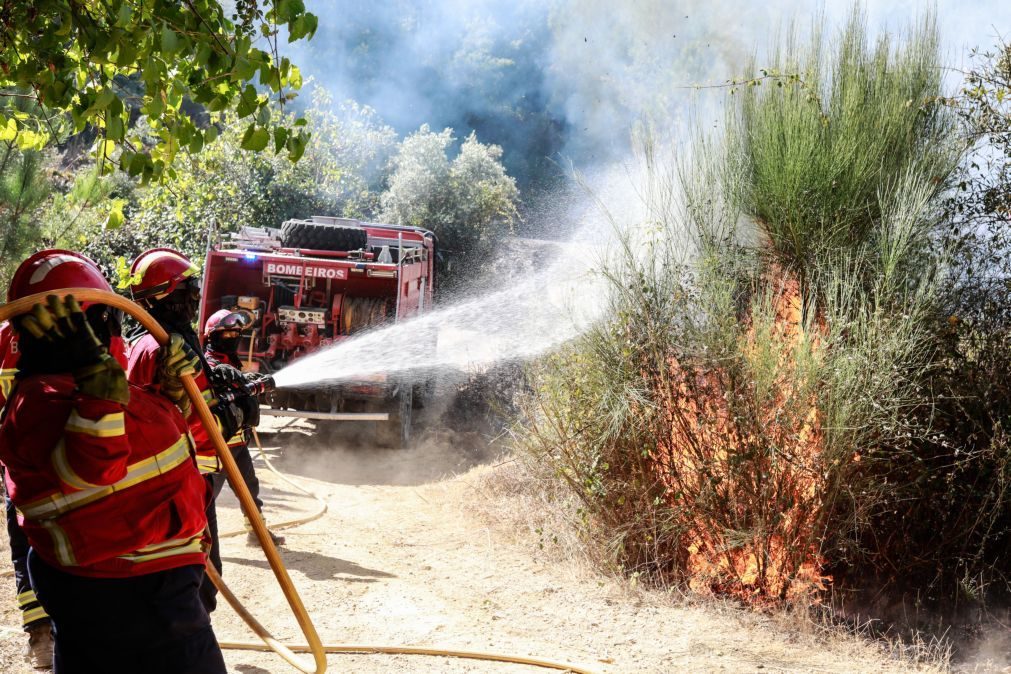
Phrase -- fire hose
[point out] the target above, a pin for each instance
(313, 644)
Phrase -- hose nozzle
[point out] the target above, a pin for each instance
(261, 384)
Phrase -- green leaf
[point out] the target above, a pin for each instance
(263, 115)
(138, 162)
(196, 143)
(124, 16)
(104, 98)
(296, 147)
(244, 69)
(9, 131)
(255, 139)
(289, 9)
(248, 102)
(115, 219)
(114, 128)
(280, 138)
(295, 78)
(303, 26)
(169, 40)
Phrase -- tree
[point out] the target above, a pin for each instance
(469, 202)
(981, 206)
(341, 173)
(84, 59)
(23, 187)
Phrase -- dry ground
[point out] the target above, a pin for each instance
(402, 557)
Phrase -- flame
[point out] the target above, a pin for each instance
(749, 484)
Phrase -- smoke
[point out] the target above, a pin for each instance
(554, 81)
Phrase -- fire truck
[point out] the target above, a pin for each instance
(312, 283)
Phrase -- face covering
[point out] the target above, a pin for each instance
(228, 345)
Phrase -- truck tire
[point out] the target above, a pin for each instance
(397, 431)
(316, 236)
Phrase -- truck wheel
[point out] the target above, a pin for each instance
(397, 433)
(316, 236)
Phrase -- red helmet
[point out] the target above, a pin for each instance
(158, 272)
(223, 319)
(54, 269)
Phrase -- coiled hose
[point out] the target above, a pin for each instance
(313, 644)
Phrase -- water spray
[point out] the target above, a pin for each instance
(537, 312)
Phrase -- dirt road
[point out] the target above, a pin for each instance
(401, 558)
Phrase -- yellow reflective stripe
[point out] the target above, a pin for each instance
(27, 597)
(61, 543)
(7, 381)
(179, 546)
(62, 466)
(153, 466)
(208, 396)
(37, 613)
(207, 464)
(108, 426)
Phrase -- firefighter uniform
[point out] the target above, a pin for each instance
(106, 489)
(167, 282)
(33, 615)
(107, 495)
(142, 371)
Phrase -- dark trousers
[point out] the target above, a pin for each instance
(215, 482)
(153, 623)
(32, 612)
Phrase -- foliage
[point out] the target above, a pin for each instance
(469, 201)
(816, 169)
(80, 58)
(985, 107)
(226, 187)
(23, 187)
(354, 168)
(759, 420)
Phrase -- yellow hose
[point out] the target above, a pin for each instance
(269, 643)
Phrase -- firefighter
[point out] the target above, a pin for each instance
(106, 487)
(34, 619)
(168, 284)
(221, 351)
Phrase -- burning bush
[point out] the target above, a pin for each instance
(778, 401)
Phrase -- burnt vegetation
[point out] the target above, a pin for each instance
(800, 395)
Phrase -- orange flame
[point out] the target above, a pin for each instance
(750, 483)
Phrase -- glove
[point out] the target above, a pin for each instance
(226, 375)
(62, 324)
(230, 417)
(250, 407)
(175, 360)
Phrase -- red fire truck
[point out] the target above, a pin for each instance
(313, 283)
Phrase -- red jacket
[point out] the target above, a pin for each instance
(8, 361)
(102, 489)
(142, 371)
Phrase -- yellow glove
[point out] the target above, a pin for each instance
(63, 325)
(175, 360)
